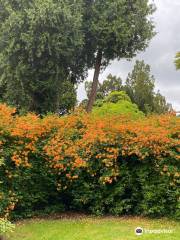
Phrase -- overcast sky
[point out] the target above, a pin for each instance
(160, 54)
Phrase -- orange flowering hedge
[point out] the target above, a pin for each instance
(113, 165)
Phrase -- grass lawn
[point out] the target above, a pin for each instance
(93, 228)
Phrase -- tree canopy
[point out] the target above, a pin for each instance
(140, 86)
(46, 47)
(115, 29)
(39, 45)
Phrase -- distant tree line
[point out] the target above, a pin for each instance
(139, 86)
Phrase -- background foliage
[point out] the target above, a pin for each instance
(46, 43)
(139, 86)
(39, 45)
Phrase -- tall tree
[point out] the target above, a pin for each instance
(160, 105)
(40, 43)
(115, 29)
(177, 61)
(140, 86)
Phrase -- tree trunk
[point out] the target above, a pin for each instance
(95, 81)
(2, 237)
